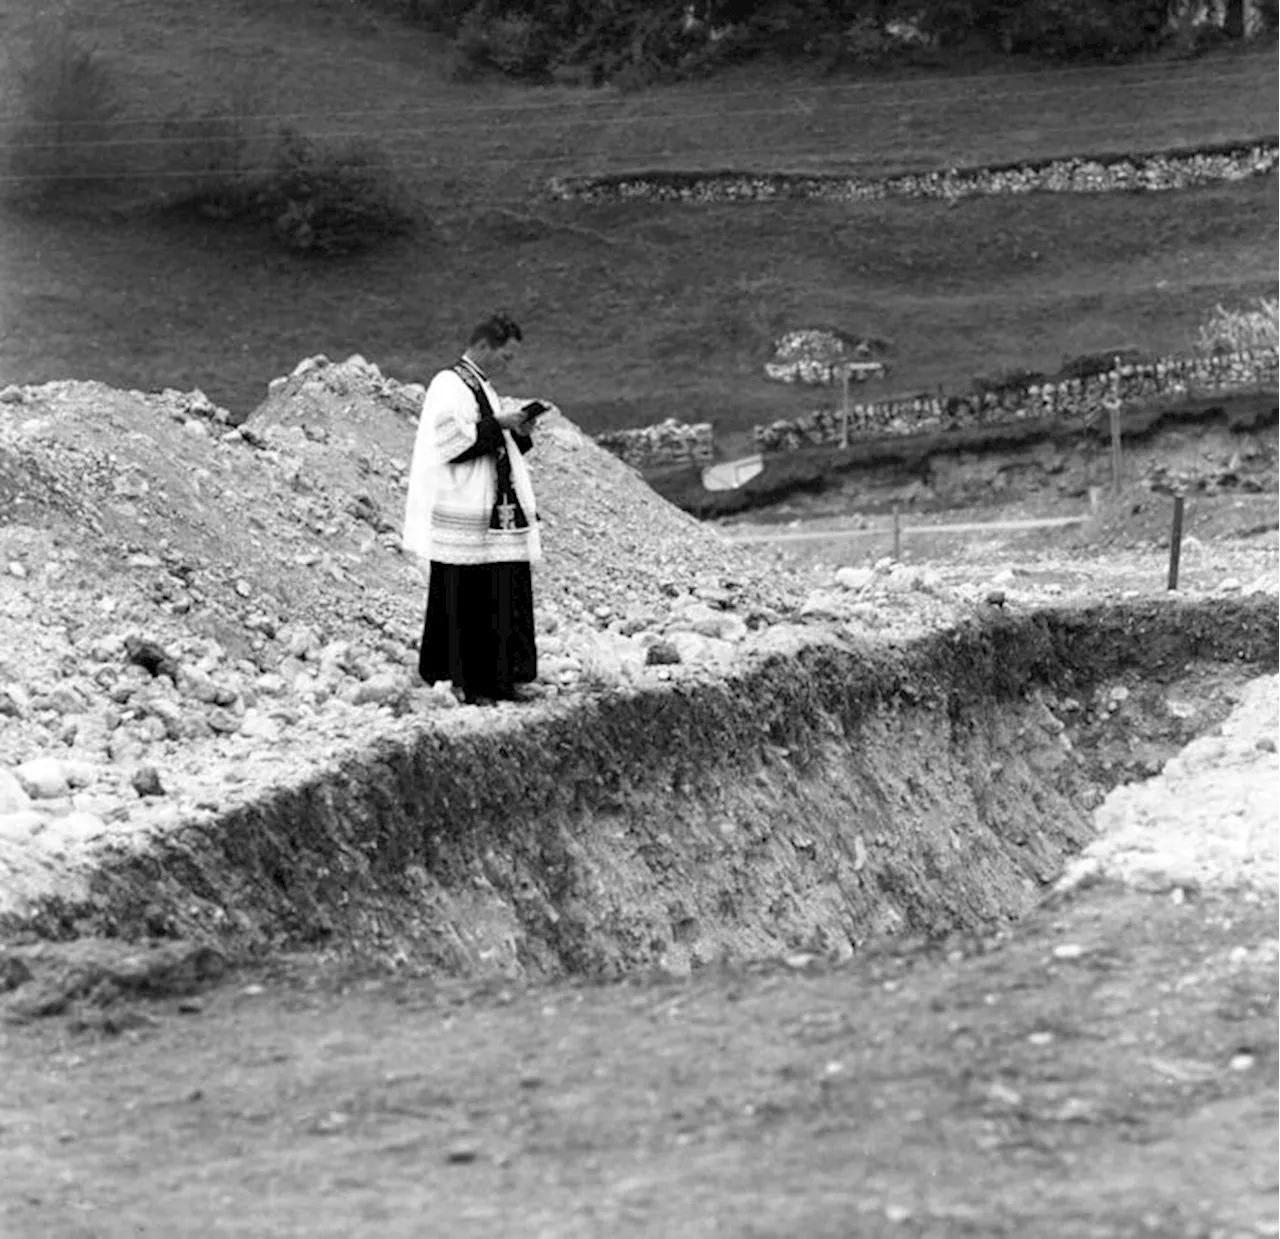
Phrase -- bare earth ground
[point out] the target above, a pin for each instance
(1108, 1069)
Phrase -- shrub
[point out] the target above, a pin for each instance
(67, 100)
(509, 43)
(210, 155)
(1060, 29)
(316, 198)
(332, 199)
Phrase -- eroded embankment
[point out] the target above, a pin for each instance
(827, 794)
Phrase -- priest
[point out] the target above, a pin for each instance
(471, 522)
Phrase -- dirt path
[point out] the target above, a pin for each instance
(1109, 1070)
(987, 527)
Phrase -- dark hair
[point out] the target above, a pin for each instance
(496, 330)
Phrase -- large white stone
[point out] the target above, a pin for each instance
(13, 796)
(20, 826)
(854, 578)
(42, 778)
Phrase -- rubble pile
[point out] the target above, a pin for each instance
(823, 358)
(185, 602)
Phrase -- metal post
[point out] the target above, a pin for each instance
(897, 534)
(1175, 542)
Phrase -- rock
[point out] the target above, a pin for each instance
(13, 972)
(42, 778)
(378, 689)
(259, 726)
(151, 657)
(662, 653)
(13, 795)
(124, 748)
(822, 605)
(14, 702)
(197, 685)
(20, 825)
(146, 781)
(854, 578)
(75, 827)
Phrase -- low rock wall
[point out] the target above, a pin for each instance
(668, 443)
(1076, 400)
(1073, 401)
(1152, 171)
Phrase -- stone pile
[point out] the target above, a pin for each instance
(1157, 171)
(190, 610)
(822, 358)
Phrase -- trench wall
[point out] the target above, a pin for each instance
(826, 794)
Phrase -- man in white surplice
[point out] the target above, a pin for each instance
(471, 521)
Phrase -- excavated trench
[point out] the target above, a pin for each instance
(828, 794)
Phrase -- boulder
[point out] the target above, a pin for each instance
(42, 778)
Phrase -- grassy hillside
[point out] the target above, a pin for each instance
(634, 312)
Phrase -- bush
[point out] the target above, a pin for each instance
(316, 198)
(332, 200)
(210, 156)
(67, 99)
(1056, 29)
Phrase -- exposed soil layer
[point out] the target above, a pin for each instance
(832, 793)
(926, 463)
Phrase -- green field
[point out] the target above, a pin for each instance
(635, 312)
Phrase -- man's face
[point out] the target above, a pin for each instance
(503, 360)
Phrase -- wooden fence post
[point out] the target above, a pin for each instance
(844, 421)
(1116, 463)
(1175, 542)
(897, 534)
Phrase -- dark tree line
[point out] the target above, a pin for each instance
(599, 39)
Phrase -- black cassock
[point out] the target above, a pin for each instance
(479, 630)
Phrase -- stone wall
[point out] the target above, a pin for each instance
(668, 443)
(1073, 400)
(1160, 170)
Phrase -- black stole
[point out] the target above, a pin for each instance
(507, 512)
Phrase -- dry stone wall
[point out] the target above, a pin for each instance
(1071, 400)
(1153, 171)
(670, 442)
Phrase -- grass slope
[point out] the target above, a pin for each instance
(638, 312)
